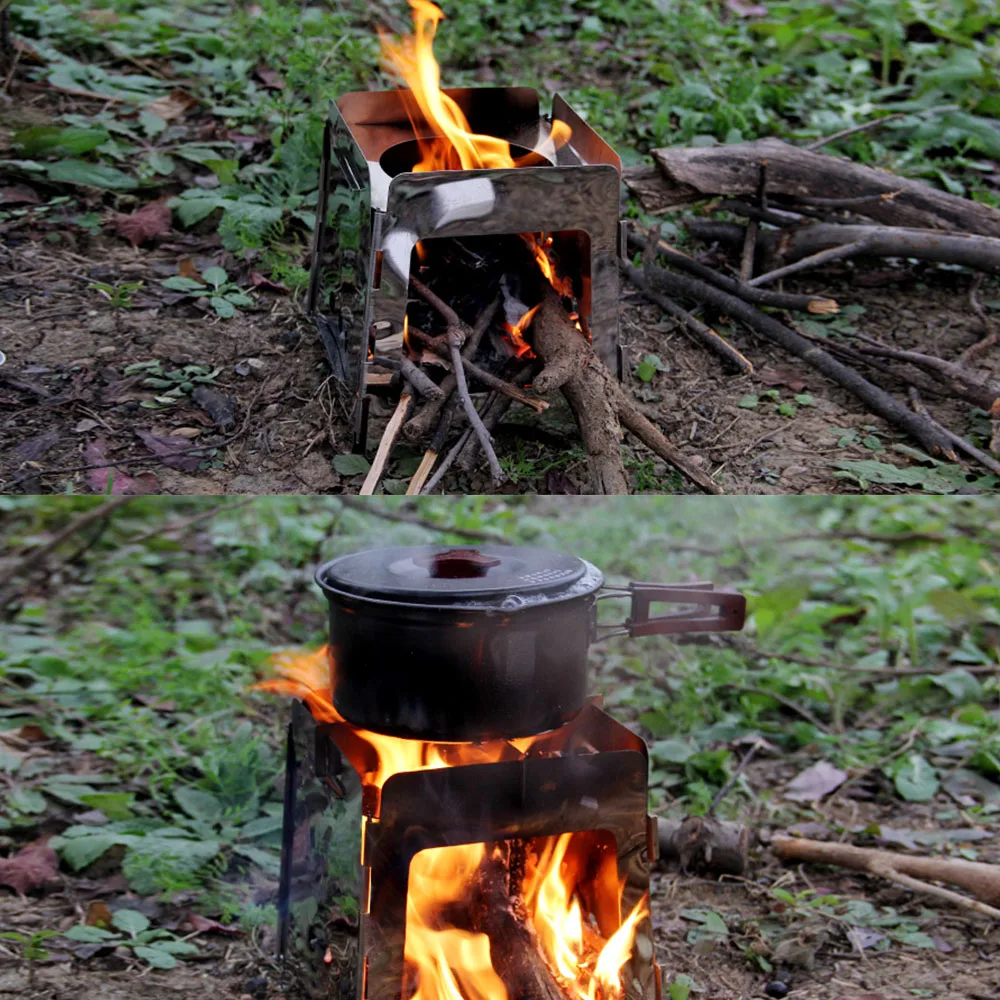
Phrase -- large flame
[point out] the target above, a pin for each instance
(566, 894)
(446, 140)
(454, 146)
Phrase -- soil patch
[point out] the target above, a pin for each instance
(70, 396)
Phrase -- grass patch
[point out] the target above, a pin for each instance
(222, 108)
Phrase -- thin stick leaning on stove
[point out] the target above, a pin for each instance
(385, 446)
(419, 425)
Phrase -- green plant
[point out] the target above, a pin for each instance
(119, 295)
(33, 945)
(223, 295)
(156, 947)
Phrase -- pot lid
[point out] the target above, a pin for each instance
(485, 576)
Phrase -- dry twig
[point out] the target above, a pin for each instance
(33, 557)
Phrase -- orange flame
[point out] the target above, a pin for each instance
(454, 146)
(516, 333)
(450, 963)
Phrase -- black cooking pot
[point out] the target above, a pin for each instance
(480, 643)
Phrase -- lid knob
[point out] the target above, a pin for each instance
(458, 564)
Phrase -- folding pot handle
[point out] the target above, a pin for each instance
(725, 610)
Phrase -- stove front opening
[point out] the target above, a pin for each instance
(470, 273)
(540, 918)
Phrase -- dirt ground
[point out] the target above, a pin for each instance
(66, 401)
(822, 963)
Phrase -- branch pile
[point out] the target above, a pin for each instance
(804, 210)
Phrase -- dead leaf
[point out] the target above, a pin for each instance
(780, 376)
(121, 484)
(259, 281)
(271, 79)
(204, 925)
(32, 733)
(149, 221)
(102, 18)
(746, 10)
(19, 194)
(98, 914)
(31, 868)
(218, 406)
(35, 447)
(864, 937)
(815, 782)
(155, 703)
(186, 268)
(169, 450)
(27, 53)
(186, 432)
(173, 105)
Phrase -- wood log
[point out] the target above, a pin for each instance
(689, 175)
(704, 844)
(981, 253)
(514, 952)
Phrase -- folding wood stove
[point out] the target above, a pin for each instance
(574, 196)
(488, 647)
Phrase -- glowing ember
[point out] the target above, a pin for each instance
(445, 962)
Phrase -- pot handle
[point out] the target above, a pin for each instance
(728, 609)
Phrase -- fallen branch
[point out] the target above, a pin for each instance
(705, 334)
(34, 556)
(689, 175)
(987, 461)
(981, 253)
(982, 880)
(598, 403)
(959, 380)
(877, 400)
(813, 260)
(816, 304)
